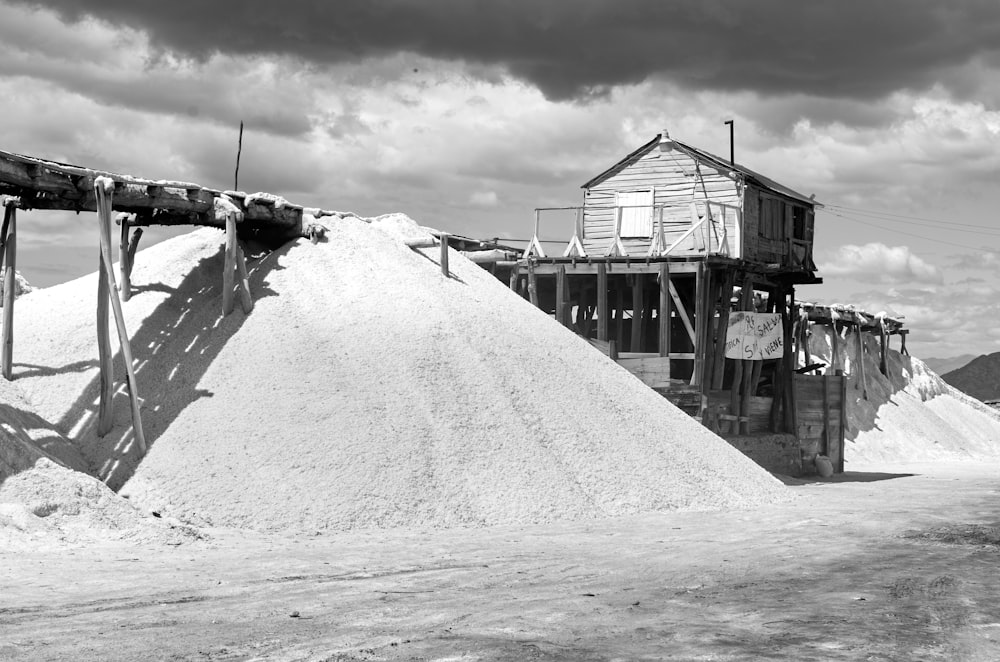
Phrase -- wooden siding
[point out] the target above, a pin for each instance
(672, 176)
(818, 404)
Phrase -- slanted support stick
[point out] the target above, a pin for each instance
(104, 188)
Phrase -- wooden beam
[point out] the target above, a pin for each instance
(602, 302)
(8, 240)
(103, 191)
(614, 266)
(863, 385)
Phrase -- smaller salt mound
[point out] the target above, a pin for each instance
(25, 437)
(50, 503)
(911, 414)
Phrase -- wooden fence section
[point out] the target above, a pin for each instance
(821, 415)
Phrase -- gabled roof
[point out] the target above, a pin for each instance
(707, 158)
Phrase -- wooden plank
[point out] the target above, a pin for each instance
(653, 371)
(602, 302)
(8, 237)
(602, 346)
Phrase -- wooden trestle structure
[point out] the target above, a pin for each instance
(28, 183)
(665, 320)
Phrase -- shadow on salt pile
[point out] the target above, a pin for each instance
(172, 349)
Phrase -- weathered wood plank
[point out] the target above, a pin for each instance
(653, 371)
(602, 302)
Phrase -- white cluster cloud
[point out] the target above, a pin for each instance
(880, 263)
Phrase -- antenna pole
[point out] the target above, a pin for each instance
(732, 158)
(239, 150)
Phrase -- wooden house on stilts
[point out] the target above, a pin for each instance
(671, 246)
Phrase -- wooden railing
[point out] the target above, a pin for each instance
(715, 228)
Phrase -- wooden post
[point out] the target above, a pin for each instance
(826, 414)
(788, 370)
(746, 301)
(602, 302)
(843, 422)
(620, 315)
(514, 277)
(532, 284)
(229, 269)
(835, 348)
(561, 308)
(8, 239)
(665, 309)
(133, 246)
(861, 362)
(124, 268)
(699, 326)
(710, 347)
(444, 255)
(638, 308)
(104, 188)
(883, 363)
(726, 296)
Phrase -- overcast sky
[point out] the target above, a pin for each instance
(467, 114)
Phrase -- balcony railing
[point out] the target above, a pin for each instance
(703, 227)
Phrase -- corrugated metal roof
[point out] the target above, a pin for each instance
(711, 159)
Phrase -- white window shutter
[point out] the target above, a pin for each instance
(637, 213)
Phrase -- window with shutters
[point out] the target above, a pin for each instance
(637, 214)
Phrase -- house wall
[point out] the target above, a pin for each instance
(762, 243)
(677, 180)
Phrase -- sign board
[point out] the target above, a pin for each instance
(754, 336)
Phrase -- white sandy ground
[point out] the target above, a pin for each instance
(910, 415)
(364, 390)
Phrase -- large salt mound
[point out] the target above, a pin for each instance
(366, 390)
(911, 414)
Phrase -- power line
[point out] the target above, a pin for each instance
(910, 234)
(880, 214)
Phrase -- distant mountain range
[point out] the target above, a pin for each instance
(980, 378)
(941, 366)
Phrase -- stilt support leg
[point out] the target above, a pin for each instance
(8, 242)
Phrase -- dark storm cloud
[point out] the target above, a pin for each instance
(851, 48)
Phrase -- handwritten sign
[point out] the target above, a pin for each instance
(754, 336)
